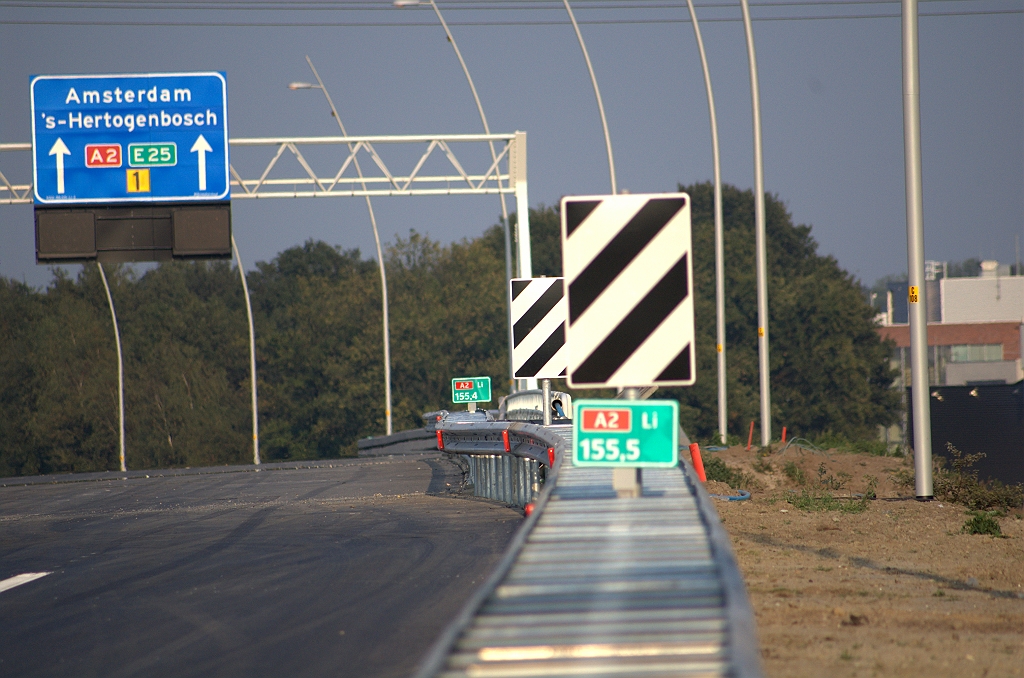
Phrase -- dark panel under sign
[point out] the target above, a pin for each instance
(65, 235)
(133, 233)
(202, 232)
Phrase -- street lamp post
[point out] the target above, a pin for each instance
(120, 364)
(917, 303)
(759, 238)
(719, 233)
(376, 237)
(597, 93)
(494, 158)
(252, 354)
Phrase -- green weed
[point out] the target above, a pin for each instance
(982, 522)
(824, 501)
(838, 441)
(831, 482)
(960, 484)
(795, 473)
(870, 491)
(716, 469)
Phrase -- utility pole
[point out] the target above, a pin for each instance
(917, 305)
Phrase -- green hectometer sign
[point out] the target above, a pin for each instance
(625, 433)
(471, 390)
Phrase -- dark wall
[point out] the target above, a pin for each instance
(987, 419)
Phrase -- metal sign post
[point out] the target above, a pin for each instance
(628, 275)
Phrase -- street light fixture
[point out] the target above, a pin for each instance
(376, 237)
(494, 158)
(597, 93)
(760, 238)
(719, 233)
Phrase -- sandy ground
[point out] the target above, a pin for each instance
(896, 590)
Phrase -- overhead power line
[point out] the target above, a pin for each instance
(334, 6)
(406, 24)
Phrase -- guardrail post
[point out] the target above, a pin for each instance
(495, 477)
(517, 482)
(504, 478)
(546, 391)
(506, 485)
(485, 471)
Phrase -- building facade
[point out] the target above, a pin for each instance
(974, 328)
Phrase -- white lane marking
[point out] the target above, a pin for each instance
(21, 579)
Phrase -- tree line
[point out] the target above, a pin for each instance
(317, 314)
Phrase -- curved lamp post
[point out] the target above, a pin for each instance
(759, 238)
(719, 234)
(597, 93)
(494, 157)
(252, 354)
(376, 237)
(120, 363)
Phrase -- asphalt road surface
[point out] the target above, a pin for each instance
(342, 568)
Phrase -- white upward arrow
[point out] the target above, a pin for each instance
(202, 148)
(60, 150)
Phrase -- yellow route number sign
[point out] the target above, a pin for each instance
(138, 181)
(912, 294)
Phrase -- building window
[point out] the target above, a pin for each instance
(940, 356)
(975, 353)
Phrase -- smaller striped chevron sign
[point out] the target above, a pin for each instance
(629, 282)
(538, 328)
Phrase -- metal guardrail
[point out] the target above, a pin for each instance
(507, 461)
(594, 584)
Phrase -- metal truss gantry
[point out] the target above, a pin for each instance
(388, 181)
(491, 180)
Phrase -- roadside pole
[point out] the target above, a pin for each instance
(917, 302)
(120, 365)
(759, 238)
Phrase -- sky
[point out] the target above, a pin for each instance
(831, 100)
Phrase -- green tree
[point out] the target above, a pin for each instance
(59, 396)
(448, 320)
(318, 337)
(185, 342)
(829, 368)
(546, 241)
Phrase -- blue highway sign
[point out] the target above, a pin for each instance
(153, 137)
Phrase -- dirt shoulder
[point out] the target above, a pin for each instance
(896, 589)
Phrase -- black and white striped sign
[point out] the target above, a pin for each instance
(538, 328)
(629, 281)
